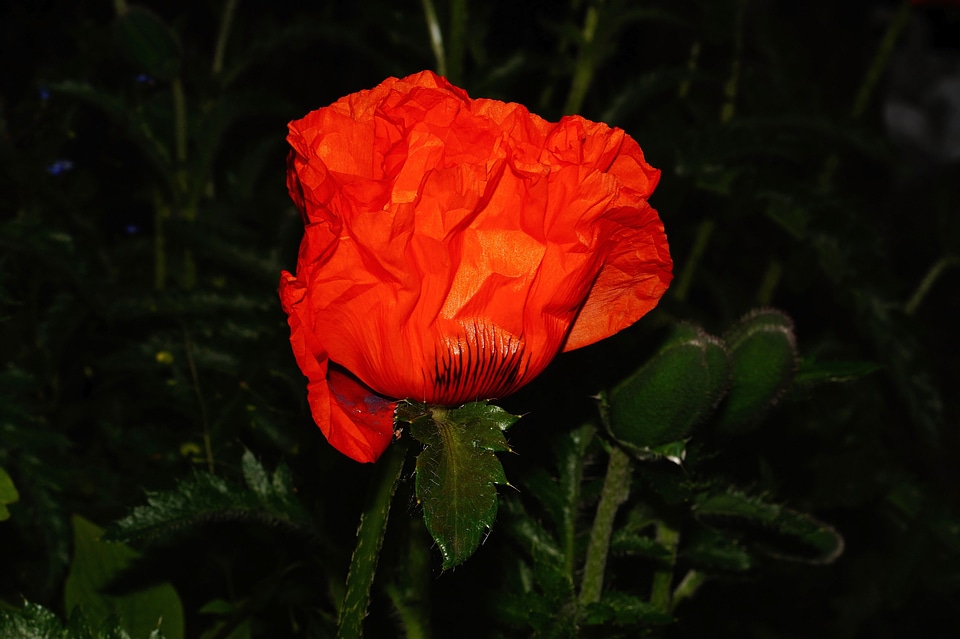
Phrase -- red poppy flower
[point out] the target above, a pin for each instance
(454, 246)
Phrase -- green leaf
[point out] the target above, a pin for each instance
(33, 621)
(549, 566)
(8, 494)
(95, 565)
(770, 528)
(622, 609)
(224, 610)
(676, 389)
(148, 43)
(811, 372)
(763, 356)
(207, 497)
(30, 622)
(457, 472)
(627, 542)
(715, 551)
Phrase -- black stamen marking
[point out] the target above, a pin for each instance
(479, 365)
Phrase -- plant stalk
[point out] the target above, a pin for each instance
(583, 72)
(373, 525)
(616, 489)
(669, 537)
(226, 22)
(927, 283)
(436, 36)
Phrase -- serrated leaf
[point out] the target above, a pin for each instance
(770, 528)
(457, 472)
(626, 542)
(96, 563)
(549, 572)
(223, 608)
(622, 609)
(206, 497)
(33, 621)
(30, 622)
(811, 372)
(715, 551)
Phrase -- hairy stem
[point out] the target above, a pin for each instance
(616, 489)
(373, 525)
(660, 596)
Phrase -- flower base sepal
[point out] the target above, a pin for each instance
(457, 471)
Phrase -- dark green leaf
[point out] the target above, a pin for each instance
(457, 472)
(148, 43)
(96, 563)
(812, 372)
(770, 528)
(36, 622)
(627, 542)
(549, 571)
(206, 498)
(32, 622)
(714, 551)
(622, 609)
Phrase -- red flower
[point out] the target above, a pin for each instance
(454, 246)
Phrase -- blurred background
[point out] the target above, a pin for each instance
(810, 156)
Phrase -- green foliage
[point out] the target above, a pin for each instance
(147, 43)
(208, 498)
(771, 528)
(32, 621)
(95, 565)
(145, 224)
(457, 472)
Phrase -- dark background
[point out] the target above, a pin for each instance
(831, 212)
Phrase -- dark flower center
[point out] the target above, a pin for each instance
(480, 364)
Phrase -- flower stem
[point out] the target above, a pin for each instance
(226, 21)
(927, 283)
(880, 60)
(436, 36)
(616, 489)
(870, 80)
(204, 421)
(583, 72)
(660, 597)
(689, 585)
(373, 524)
(733, 82)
